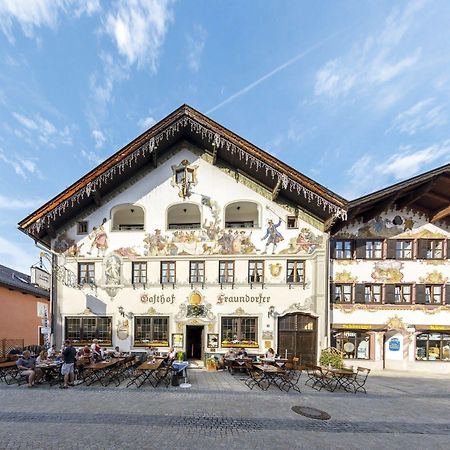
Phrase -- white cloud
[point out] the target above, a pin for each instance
(421, 116)
(8, 203)
(367, 174)
(99, 138)
(91, 157)
(32, 14)
(41, 129)
(138, 28)
(195, 45)
(408, 162)
(146, 122)
(373, 62)
(16, 257)
(22, 166)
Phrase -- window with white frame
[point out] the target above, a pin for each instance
(226, 272)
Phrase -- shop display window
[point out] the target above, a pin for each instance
(433, 347)
(353, 344)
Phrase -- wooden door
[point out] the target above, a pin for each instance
(297, 336)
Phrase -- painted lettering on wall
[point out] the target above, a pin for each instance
(146, 298)
(258, 298)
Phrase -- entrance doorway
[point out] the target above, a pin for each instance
(194, 341)
(297, 336)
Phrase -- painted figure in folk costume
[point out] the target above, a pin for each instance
(272, 235)
(99, 240)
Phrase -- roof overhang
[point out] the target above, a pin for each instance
(185, 123)
(428, 194)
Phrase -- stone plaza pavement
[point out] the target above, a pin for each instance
(220, 412)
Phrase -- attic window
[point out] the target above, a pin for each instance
(82, 227)
(292, 222)
(183, 216)
(242, 215)
(127, 218)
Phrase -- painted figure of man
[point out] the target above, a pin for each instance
(272, 235)
(99, 240)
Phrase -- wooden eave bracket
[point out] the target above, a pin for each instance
(416, 194)
(214, 155)
(276, 190)
(440, 214)
(383, 206)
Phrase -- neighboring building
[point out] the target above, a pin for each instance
(390, 275)
(193, 237)
(23, 307)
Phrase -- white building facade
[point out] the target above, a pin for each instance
(193, 238)
(390, 275)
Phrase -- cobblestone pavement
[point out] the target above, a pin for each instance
(219, 411)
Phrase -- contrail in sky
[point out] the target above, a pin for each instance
(273, 72)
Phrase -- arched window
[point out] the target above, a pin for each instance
(433, 347)
(183, 216)
(242, 215)
(127, 217)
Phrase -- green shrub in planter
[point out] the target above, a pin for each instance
(331, 357)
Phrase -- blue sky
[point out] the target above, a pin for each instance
(354, 94)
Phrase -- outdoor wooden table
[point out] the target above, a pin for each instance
(9, 372)
(51, 371)
(238, 364)
(99, 371)
(145, 372)
(339, 377)
(272, 374)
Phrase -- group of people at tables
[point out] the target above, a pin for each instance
(237, 354)
(69, 357)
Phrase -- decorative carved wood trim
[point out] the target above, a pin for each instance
(440, 214)
(276, 190)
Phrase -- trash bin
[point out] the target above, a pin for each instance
(174, 379)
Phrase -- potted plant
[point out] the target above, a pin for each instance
(211, 364)
(331, 357)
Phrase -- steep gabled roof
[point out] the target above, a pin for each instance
(19, 281)
(428, 193)
(188, 124)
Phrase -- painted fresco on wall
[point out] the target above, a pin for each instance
(428, 231)
(306, 241)
(388, 272)
(345, 277)
(434, 277)
(99, 240)
(385, 227)
(397, 225)
(210, 239)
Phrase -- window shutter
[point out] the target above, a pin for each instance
(359, 293)
(420, 293)
(332, 292)
(448, 248)
(360, 249)
(391, 248)
(333, 248)
(447, 294)
(422, 248)
(389, 293)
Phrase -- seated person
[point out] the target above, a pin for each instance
(242, 353)
(230, 354)
(42, 358)
(96, 350)
(116, 352)
(51, 352)
(151, 352)
(270, 354)
(170, 356)
(28, 368)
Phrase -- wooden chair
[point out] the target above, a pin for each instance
(255, 377)
(359, 380)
